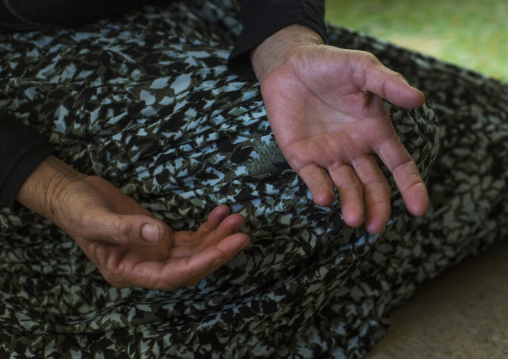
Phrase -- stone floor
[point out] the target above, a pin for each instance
(463, 314)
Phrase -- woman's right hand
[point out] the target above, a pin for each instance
(127, 244)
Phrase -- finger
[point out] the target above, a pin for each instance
(165, 275)
(350, 194)
(106, 226)
(189, 243)
(229, 247)
(406, 174)
(175, 273)
(215, 218)
(391, 85)
(319, 183)
(230, 225)
(377, 193)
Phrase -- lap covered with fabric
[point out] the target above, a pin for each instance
(146, 101)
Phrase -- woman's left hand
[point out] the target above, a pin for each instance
(325, 110)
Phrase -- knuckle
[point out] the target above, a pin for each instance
(114, 279)
(86, 222)
(398, 76)
(123, 231)
(370, 58)
(114, 274)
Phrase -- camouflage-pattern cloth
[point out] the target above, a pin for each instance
(145, 101)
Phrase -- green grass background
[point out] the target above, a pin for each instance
(472, 34)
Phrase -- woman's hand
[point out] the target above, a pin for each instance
(325, 109)
(127, 244)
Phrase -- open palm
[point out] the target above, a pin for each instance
(325, 108)
(132, 248)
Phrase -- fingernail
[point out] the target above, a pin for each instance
(150, 233)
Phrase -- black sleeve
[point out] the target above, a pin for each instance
(27, 15)
(262, 18)
(21, 150)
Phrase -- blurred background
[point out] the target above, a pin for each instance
(471, 34)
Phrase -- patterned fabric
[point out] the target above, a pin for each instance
(145, 101)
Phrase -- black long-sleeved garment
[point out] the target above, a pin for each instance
(262, 18)
(22, 148)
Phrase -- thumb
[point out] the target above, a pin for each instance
(391, 86)
(107, 226)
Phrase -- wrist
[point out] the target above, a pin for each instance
(42, 190)
(277, 49)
